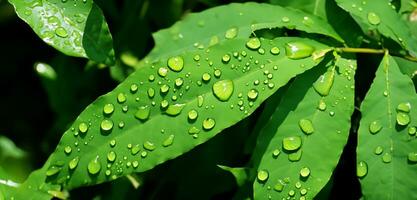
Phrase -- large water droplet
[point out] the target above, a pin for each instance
(61, 32)
(412, 130)
(143, 113)
(253, 43)
(373, 18)
(108, 109)
(403, 119)
(375, 127)
(305, 172)
(176, 63)
(149, 146)
(83, 127)
(174, 110)
(94, 166)
(73, 163)
(223, 89)
(231, 33)
(324, 83)
(298, 50)
(262, 175)
(412, 157)
(106, 125)
(252, 94)
(209, 123)
(121, 98)
(135, 150)
(168, 142)
(162, 71)
(111, 156)
(192, 115)
(404, 107)
(291, 143)
(306, 126)
(361, 169)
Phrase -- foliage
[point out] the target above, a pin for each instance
(263, 100)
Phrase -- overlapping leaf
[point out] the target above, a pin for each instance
(382, 16)
(76, 28)
(387, 145)
(239, 20)
(311, 129)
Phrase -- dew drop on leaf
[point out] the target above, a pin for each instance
(133, 88)
(174, 110)
(279, 186)
(295, 156)
(306, 126)
(253, 43)
(193, 130)
(83, 127)
(285, 19)
(386, 158)
(298, 50)
(108, 109)
(111, 156)
(291, 143)
(149, 146)
(252, 94)
(179, 82)
(135, 164)
(164, 89)
(192, 114)
(378, 150)
(209, 124)
(162, 71)
(176, 63)
(322, 105)
(361, 169)
(262, 175)
(403, 119)
(168, 141)
(375, 127)
(404, 107)
(412, 130)
(412, 157)
(231, 33)
(135, 149)
(226, 58)
(73, 163)
(305, 172)
(373, 18)
(206, 77)
(121, 98)
(143, 113)
(94, 166)
(151, 93)
(106, 125)
(52, 170)
(200, 100)
(276, 153)
(324, 83)
(61, 32)
(275, 51)
(223, 89)
(67, 149)
(112, 143)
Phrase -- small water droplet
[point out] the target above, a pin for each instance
(163, 71)
(298, 50)
(295, 156)
(149, 146)
(176, 63)
(192, 115)
(111, 156)
(108, 109)
(206, 77)
(386, 158)
(322, 105)
(378, 150)
(404, 107)
(193, 130)
(106, 125)
(67, 149)
(223, 89)
(94, 166)
(151, 93)
(253, 43)
(279, 186)
(375, 127)
(361, 169)
(285, 19)
(83, 127)
(121, 98)
(135, 164)
(135, 149)
(217, 73)
(231, 33)
(164, 89)
(306, 126)
(276, 153)
(53, 170)
(275, 50)
(305, 172)
(112, 143)
(412, 130)
(412, 157)
(252, 94)
(174, 110)
(168, 141)
(133, 88)
(324, 83)
(209, 123)
(61, 32)
(179, 82)
(262, 175)
(73, 163)
(143, 113)
(373, 18)
(403, 119)
(226, 58)
(291, 143)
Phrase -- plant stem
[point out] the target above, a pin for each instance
(360, 50)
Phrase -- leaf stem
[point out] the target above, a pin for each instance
(374, 51)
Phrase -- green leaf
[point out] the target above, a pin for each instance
(309, 137)
(239, 173)
(76, 28)
(381, 16)
(315, 7)
(384, 146)
(134, 122)
(202, 29)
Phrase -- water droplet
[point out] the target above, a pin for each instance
(193, 130)
(279, 186)
(106, 125)
(163, 71)
(151, 78)
(306, 126)
(209, 123)
(108, 109)
(403, 119)
(375, 127)
(231, 33)
(253, 94)
(253, 43)
(378, 150)
(200, 100)
(94, 166)
(223, 89)
(149, 146)
(111, 156)
(83, 127)
(121, 98)
(322, 105)
(176, 63)
(151, 93)
(298, 50)
(386, 158)
(174, 110)
(206, 77)
(61, 32)
(164, 89)
(291, 143)
(73, 163)
(324, 83)
(296, 156)
(361, 169)
(276, 153)
(404, 107)
(275, 51)
(217, 73)
(112, 143)
(133, 88)
(226, 58)
(305, 172)
(67, 149)
(168, 142)
(285, 19)
(261, 51)
(412, 130)
(179, 82)
(192, 115)
(143, 113)
(291, 193)
(412, 157)
(53, 170)
(373, 18)
(262, 175)
(135, 164)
